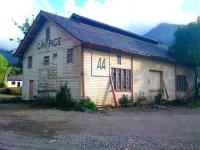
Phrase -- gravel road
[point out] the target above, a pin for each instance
(22, 127)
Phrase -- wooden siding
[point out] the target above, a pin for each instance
(98, 87)
(56, 73)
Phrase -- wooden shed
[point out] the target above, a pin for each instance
(97, 60)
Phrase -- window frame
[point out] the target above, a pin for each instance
(30, 62)
(119, 59)
(13, 83)
(121, 79)
(181, 83)
(70, 55)
(47, 33)
(46, 60)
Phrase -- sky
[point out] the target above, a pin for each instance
(138, 16)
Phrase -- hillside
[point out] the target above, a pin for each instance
(164, 33)
(11, 60)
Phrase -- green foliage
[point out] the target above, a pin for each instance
(14, 100)
(186, 47)
(141, 97)
(193, 104)
(158, 97)
(48, 102)
(87, 103)
(3, 67)
(4, 85)
(24, 27)
(64, 99)
(125, 101)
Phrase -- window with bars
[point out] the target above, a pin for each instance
(70, 53)
(30, 62)
(181, 83)
(121, 79)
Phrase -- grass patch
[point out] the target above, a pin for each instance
(193, 104)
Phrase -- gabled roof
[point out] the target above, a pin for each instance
(17, 77)
(95, 33)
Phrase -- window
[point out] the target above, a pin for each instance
(54, 55)
(30, 62)
(46, 60)
(70, 54)
(119, 59)
(47, 33)
(121, 79)
(13, 83)
(181, 83)
(18, 84)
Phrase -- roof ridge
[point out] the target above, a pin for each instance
(111, 28)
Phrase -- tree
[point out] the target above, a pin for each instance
(3, 67)
(24, 27)
(186, 47)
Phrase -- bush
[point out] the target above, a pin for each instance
(4, 91)
(87, 103)
(193, 104)
(141, 98)
(64, 99)
(125, 101)
(14, 100)
(4, 84)
(44, 102)
(158, 97)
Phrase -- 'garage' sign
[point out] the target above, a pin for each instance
(49, 43)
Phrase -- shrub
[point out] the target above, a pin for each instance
(64, 99)
(4, 84)
(44, 102)
(4, 91)
(193, 104)
(125, 101)
(158, 97)
(87, 103)
(141, 99)
(13, 100)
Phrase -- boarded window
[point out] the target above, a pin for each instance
(70, 53)
(155, 80)
(181, 83)
(119, 59)
(30, 62)
(46, 60)
(47, 33)
(121, 79)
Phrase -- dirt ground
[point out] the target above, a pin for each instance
(22, 127)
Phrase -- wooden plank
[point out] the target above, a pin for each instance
(113, 91)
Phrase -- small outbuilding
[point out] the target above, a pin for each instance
(97, 60)
(14, 80)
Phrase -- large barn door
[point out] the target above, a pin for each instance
(155, 80)
(31, 90)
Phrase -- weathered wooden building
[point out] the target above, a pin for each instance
(97, 60)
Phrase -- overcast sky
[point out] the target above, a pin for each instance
(138, 16)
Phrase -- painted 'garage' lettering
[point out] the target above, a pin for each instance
(49, 43)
